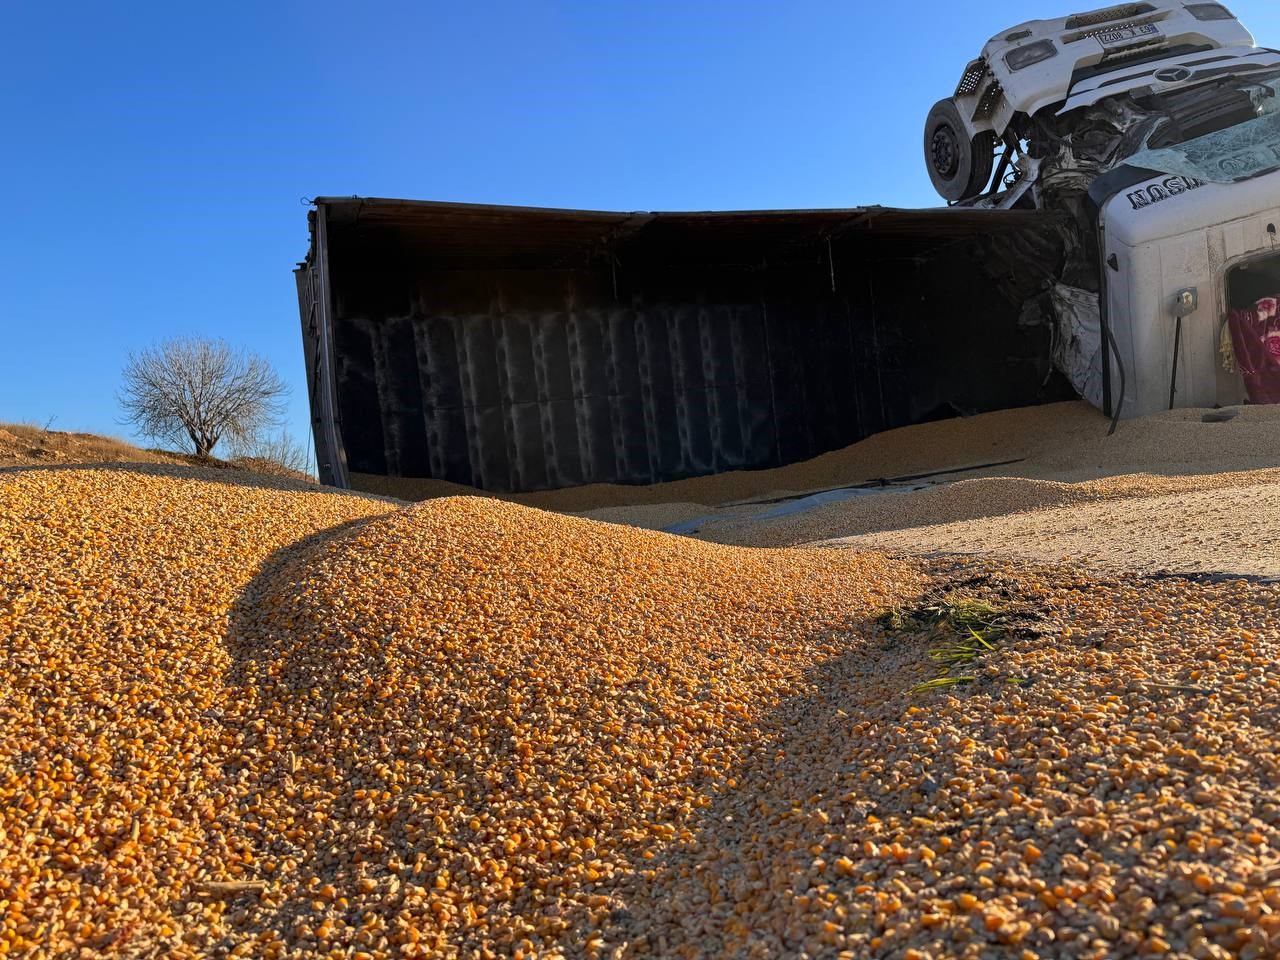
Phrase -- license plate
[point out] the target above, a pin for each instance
(1126, 35)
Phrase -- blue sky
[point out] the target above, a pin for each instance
(155, 154)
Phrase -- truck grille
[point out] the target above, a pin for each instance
(1105, 28)
(1122, 12)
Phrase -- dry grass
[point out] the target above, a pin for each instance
(27, 444)
(259, 465)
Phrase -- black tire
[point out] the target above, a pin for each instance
(959, 168)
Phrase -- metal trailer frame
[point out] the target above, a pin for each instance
(315, 307)
(518, 348)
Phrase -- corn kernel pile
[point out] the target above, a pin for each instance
(1106, 788)
(450, 729)
(243, 719)
(116, 710)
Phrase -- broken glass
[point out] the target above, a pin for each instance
(1241, 152)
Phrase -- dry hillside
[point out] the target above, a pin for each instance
(27, 445)
(24, 444)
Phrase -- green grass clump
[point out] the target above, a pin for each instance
(963, 630)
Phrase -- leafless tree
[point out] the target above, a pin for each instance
(280, 449)
(200, 391)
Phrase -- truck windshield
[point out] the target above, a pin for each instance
(1240, 152)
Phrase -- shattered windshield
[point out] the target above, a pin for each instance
(1238, 152)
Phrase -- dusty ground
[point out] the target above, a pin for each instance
(1165, 493)
(1062, 441)
(1225, 530)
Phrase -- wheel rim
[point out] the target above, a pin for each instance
(944, 151)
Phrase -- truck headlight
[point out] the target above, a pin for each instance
(1209, 11)
(1032, 53)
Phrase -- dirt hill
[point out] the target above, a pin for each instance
(27, 445)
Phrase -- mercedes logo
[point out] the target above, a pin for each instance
(1173, 75)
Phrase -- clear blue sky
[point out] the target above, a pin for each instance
(154, 154)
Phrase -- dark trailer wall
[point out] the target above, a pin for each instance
(516, 349)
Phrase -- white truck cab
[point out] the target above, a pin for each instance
(1073, 61)
(1179, 254)
(1032, 85)
(1152, 129)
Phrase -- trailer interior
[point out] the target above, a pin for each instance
(516, 349)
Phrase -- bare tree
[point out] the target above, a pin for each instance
(201, 391)
(280, 449)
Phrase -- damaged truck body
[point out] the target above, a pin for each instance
(1113, 201)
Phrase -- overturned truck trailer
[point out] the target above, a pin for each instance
(516, 349)
(1114, 181)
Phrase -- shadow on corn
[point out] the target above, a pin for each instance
(767, 871)
(282, 702)
(734, 888)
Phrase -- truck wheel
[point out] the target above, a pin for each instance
(959, 167)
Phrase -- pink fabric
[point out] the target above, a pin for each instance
(1255, 337)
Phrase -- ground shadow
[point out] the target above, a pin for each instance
(253, 692)
(739, 840)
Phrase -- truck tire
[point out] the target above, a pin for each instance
(959, 167)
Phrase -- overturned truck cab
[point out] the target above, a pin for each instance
(1155, 127)
(1185, 260)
